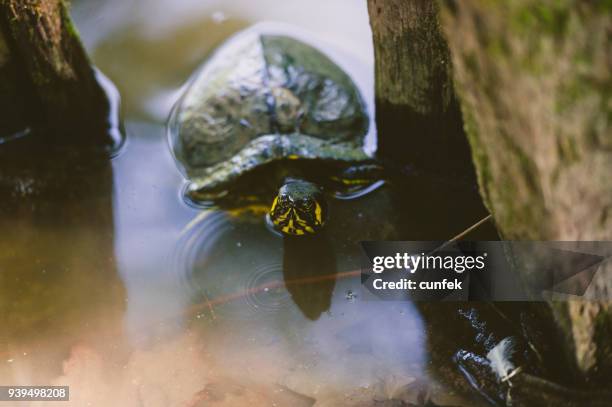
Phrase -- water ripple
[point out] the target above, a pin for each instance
(230, 267)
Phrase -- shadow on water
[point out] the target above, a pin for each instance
(309, 270)
(235, 268)
(57, 263)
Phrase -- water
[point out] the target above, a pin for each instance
(112, 284)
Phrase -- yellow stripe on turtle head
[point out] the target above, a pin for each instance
(318, 213)
(281, 218)
(289, 227)
(274, 204)
(347, 181)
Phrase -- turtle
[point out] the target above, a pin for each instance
(271, 117)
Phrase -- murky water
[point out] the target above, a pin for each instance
(112, 284)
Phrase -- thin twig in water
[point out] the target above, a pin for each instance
(465, 232)
(210, 307)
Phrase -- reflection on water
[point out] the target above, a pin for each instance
(309, 267)
(58, 280)
(205, 297)
(231, 267)
(265, 308)
(112, 284)
(253, 299)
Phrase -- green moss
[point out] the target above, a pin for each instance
(39, 78)
(538, 23)
(67, 22)
(471, 63)
(547, 18)
(479, 156)
(570, 93)
(498, 47)
(604, 6)
(568, 150)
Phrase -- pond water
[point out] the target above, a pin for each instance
(113, 285)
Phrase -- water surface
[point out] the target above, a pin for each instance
(113, 285)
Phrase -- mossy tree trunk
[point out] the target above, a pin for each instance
(417, 115)
(534, 82)
(57, 266)
(46, 79)
(12, 101)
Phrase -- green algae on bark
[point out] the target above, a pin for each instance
(51, 72)
(534, 83)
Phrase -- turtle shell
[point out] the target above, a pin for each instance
(265, 97)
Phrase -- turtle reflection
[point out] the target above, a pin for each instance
(309, 269)
(236, 267)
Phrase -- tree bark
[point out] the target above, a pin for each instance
(57, 266)
(12, 102)
(534, 82)
(46, 78)
(417, 115)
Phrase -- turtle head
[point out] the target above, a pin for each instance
(298, 209)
